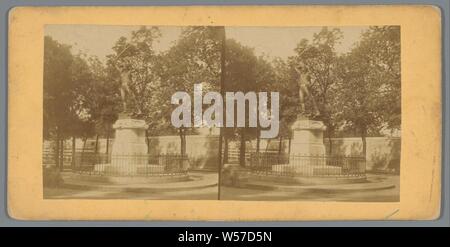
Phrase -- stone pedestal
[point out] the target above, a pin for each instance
(129, 138)
(307, 138)
(129, 149)
(307, 155)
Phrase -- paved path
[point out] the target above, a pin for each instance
(373, 182)
(334, 193)
(230, 193)
(204, 187)
(197, 180)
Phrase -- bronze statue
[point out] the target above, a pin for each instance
(125, 69)
(125, 78)
(304, 94)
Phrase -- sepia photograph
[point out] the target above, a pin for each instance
(218, 113)
(239, 113)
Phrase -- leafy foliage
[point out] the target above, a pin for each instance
(357, 92)
(369, 93)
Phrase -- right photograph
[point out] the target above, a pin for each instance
(311, 114)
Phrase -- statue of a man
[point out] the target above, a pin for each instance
(125, 78)
(303, 91)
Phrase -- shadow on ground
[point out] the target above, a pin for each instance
(86, 192)
(383, 195)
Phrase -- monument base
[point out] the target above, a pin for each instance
(307, 155)
(308, 170)
(307, 138)
(131, 170)
(129, 149)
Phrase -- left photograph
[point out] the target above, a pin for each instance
(107, 112)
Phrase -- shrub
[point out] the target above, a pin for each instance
(51, 177)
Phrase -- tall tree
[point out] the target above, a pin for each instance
(286, 85)
(241, 76)
(105, 101)
(382, 44)
(369, 94)
(195, 58)
(267, 80)
(66, 86)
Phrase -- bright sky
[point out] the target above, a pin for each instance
(98, 40)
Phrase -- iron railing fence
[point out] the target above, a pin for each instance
(49, 158)
(307, 165)
(128, 165)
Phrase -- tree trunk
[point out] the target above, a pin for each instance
(267, 145)
(258, 141)
(57, 150)
(330, 146)
(182, 141)
(73, 151)
(330, 143)
(96, 144)
(61, 153)
(108, 135)
(82, 152)
(289, 148)
(180, 134)
(84, 145)
(242, 150)
(280, 145)
(147, 141)
(364, 142)
(225, 151)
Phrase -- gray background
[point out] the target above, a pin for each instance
(6, 5)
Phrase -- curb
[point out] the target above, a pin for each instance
(126, 188)
(327, 188)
